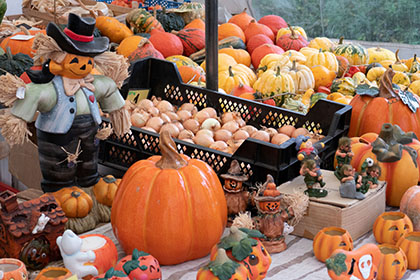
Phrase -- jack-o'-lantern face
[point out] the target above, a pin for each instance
(232, 185)
(270, 206)
(36, 253)
(389, 227)
(73, 66)
(258, 262)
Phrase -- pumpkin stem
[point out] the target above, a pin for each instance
(293, 34)
(24, 30)
(170, 159)
(269, 180)
(278, 71)
(236, 234)
(264, 68)
(142, 42)
(231, 74)
(385, 84)
(293, 66)
(75, 194)
(9, 53)
(378, 49)
(396, 56)
(340, 41)
(221, 257)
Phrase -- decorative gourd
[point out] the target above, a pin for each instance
(324, 58)
(74, 202)
(105, 189)
(322, 43)
(144, 49)
(255, 28)
(295, 56)
(191, 73)
(375, 73)
(193, 40)
(330, 238)
(36, 253)
(112, 274)
(369, 113)
(302, 76)
(415, 66)
(355, 53)
(398, 65)
(166, 43)
(178, 197)
(362, 263)
(224, 60)
(19, 46)
(307, 51)
(256, 41)
(411, 207)
(259, 53)
(181, 60)
(401, 78)
(140, 265)
(190, 11)
(272, 83)
(223, 268)
(243, 246)
(129, 44)
(343, 65)
(241, 56)
(170, 21)
(390, 226)
(13, 269)
(379, 54)
(410, 244)
(196, 23)
(233, 41)
(274, 22)
(242, 19)
(141, 21)
(415, 87)
(54, 273)
(286, 30)
(291, 41)
(393, 263)
(113, 29)
(409, 62)
(229, 79)
(398, 167)
(243, 90)
(227, 29)
(15, 64)
(322, 75)
(250, 74)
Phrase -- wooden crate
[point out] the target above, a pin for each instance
(356, 216)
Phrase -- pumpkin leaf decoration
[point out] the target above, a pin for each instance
(365, 89)
(111, 273)
(137, 254)
(252, 232)
(337, 263)
(15, 64)
(222, 267)
(239, 242)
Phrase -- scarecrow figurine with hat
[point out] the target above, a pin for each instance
(66, 95)
(237, 198)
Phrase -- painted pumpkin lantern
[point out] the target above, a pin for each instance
(223, 268)
(410, 244)
(112, 274)
(12, 269)
(243, 246)
(362, 263)
(393, 263)
(369, 112)
(390, 226)
(36, 253)
(178, 197)
(396, 154)
(410, 205)
(329, 239)
(73, 66)
(105, 189)
(74, 202)
(56, 273)
(141, 265)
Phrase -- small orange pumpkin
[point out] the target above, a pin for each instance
(410, 244)
(105, 189)
(56, 273)
(113, 29)
(410, 205)
(196, 23)
(166, 43)
(228, 29)
(74, 202)
(19, 46)
(191, 73)
(322, 75)
(242, 19)
(241, 56)
(129, 45)
(393, 263)
(255, 28)
(390, 226)
(13, 269)
(256, 41)
(330, 238)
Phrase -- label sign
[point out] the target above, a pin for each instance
(135, 95)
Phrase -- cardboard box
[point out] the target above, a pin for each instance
(356, 216)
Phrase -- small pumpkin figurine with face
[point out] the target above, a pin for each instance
(237, 198)
(140, 265)
(36, 253)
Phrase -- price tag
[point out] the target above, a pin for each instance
(22, 37)
(135, 95)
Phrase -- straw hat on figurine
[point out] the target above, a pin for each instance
(235, 173)
(268, 193)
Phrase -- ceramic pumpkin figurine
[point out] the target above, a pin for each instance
(390, 226)
(105, 189)
(328, 239)
(36, 253)
(74, 201)
(393, 263)
(56, 273)
(396, 157)
(410, 244)
(12, 269)
(362, 263)
(188, 188)
(223, 268)
(411, 207)
(243, 246)
(141, 265)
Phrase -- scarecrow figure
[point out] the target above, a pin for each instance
(66, 95)
(307, 150)
(343, 155)
(312, 178)
(237, 197)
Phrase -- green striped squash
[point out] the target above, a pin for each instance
(193, 40)
(355, 53)
(141, 21)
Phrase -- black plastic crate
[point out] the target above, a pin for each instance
(257, 158)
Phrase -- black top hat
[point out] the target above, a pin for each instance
(77, 38)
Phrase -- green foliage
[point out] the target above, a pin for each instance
(337, 263)
(366, 20)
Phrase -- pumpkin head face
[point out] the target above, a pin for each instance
(36, 253)
(74, 202)
(393, 263)
(269, 206)
(359, 264)
(232, 185)
(73, 66)
(13, 269)
(140, 265)
(329, 239)
(258, 262)
(410, 244)
(390, 226)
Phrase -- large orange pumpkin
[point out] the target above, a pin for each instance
(170, 206)
(410, 244)
(410, 205)
(329, 239)
(399, 170)
(390, 226)
(369, 113)
(393, 263)
(19, 46)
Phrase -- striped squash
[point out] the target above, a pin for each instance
(141, 21)
(355, 53)
(181, 60)
(324, 58)
(272, 83)
(193, 39)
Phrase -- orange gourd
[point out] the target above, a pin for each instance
(170, 206)
(292, 41)
(274, 22)
(322, 75)
(369, 113)
(19, 46)
(390, 226)
(144, 49)
(227, 29)
(74, 202)
(191, 73)
(330, 238)
(262, 51)
(105, 189)
(410, 205)
(242, 19)
(13, 269)
(393, 264)
(56, 273)
(255, 28)
(166, 43)
(241, 90)
(196, 23)
(241, 56)
(256, 41)
(129, 45)
(113, 29)
(410, 244)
